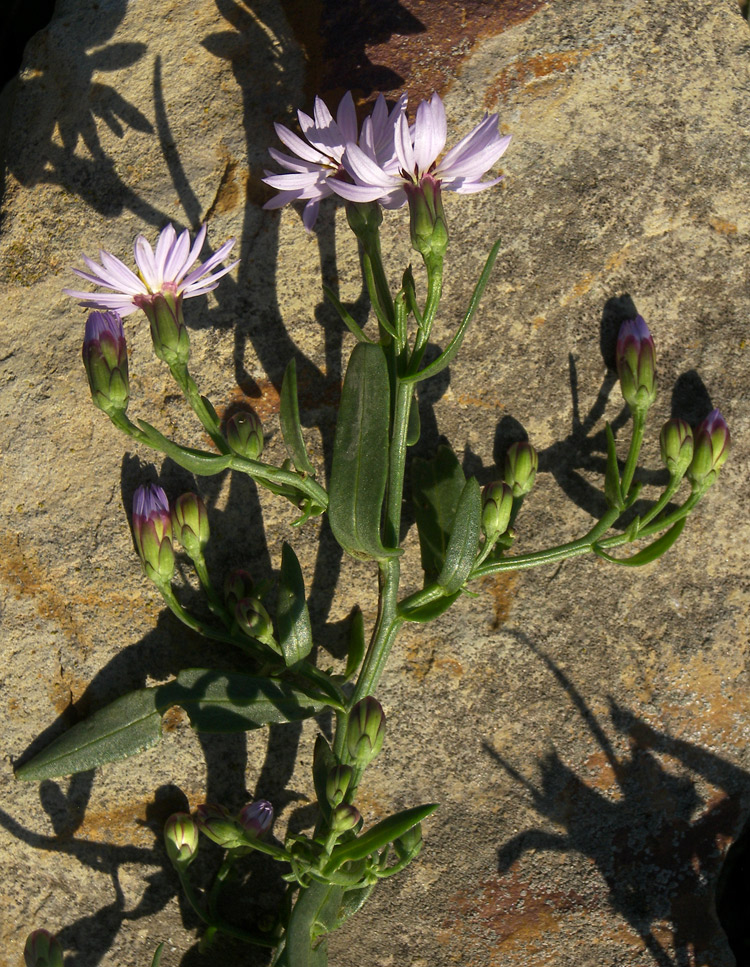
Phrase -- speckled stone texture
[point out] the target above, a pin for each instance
(585, 727)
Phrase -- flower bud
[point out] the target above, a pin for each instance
(168, 332)
(497, 504)
(337, 784)
(42, 950)
(521, 465)
(105, 357)
(216, 822)
(190, 523)
(409, 846)
(427, 222)
(257, 818)
(344, 817)
(636, 364)
(711, 449)
(254, 620)
(181, 839)
(365, 218)
(152, 528)
(238, 584)
(245, 434)
(366, 730)
(676, 441)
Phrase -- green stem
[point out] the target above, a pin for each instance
(636, 440)
(205, 414)
(218, 923)
(434, 292)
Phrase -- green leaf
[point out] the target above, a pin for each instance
(464, 540)
(217, 701)
(346, 318)
(128, 725)
(446, 357)
(431, 610)
(650, 553)
(157, 955)
(360, 456)
(292, 616)
(323, 762)
(436, 487)
(414, 427)
(357, 644)
(353, 901)
(313, 915)
(612, 485)
(291, 427)
(378, 836)
(200, 462)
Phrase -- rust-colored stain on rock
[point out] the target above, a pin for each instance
(422, 659)
(501, 588)
(414, 45)
(722, 226)
(523, 72)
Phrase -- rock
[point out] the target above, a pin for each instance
(585, 727)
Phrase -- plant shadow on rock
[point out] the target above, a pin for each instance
(655, 842)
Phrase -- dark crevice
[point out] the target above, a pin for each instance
(19, 21)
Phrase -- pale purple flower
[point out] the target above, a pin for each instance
(319, 162)
(417, 148)
(165, 270)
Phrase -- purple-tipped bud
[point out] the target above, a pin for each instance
(257, 818)
(217, 823)
(254, 620)
(344, 817)
(190, 523)
(497, 504)
(409, 846)
(521, 465)
(337, 784)
(152, 528)
(42, 950)
(427, 222)
(105, 356)
(366, 730)
(238, 584)
(168, 332)
(245, 434)
(181, 839)
(636, 364)
(712, 445)
(676, 441)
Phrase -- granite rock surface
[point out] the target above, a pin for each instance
(585, 727)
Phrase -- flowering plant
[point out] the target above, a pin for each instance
(464, 534)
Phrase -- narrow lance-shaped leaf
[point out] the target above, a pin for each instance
(378, 836)
(323, 762)
(346, 318)
(655, 550)
(428, 612)
(291, 427)
(357, 644)
(292, 616)
(612, 487)
(464, 540)
(360, 456)
(445, 358)
(436, 487)
(215, 701)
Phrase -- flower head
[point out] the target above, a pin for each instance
(417, 148)
(152, 528)
(711, 449)
(319, 162)
(163, 271)
(105, 356)
(636, 364)
(256, 818)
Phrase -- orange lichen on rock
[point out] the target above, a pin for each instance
(523, 72)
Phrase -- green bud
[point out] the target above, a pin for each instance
(245, 434)
(427, 222)
(344, 817)
(238, 584)
(409, 846)
(181, 839)
(105, 357)
(168, 331)
(521, 465)
(42, 950)
(364, 218)
(497, 504)
(254, 620)
(190, 523)
(152, 528)
(711, 449)
(636, 364)
(216, 822)
(366, 730)
(338, 783)
(676, 441)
